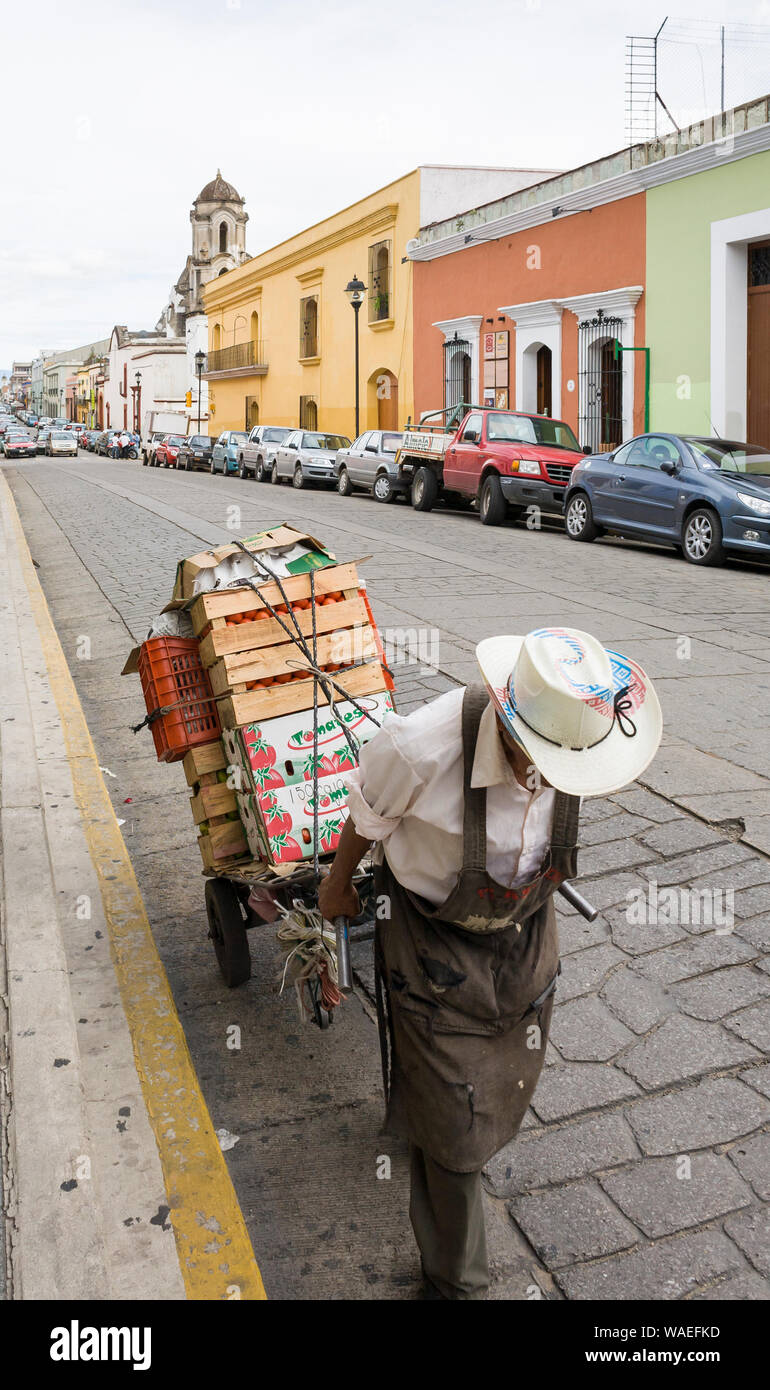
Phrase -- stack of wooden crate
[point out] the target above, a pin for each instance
(260, 678)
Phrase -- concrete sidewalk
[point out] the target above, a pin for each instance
(114, 1185)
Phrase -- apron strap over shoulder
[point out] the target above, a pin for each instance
(566, 817)
(475, 701)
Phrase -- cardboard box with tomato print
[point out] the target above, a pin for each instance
(279, 752)
(279, 822)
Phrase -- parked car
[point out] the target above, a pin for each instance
(224, 455)
(18, 444)
(91, 437)
(196, 451)
(308, 456)
(104, 442)
(370, 463)
(167, 450)
(61, 442)
(149, 447)
(706, 497)
(504, 459)
(257, 455)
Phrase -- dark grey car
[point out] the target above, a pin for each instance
(308, 456)
(370, 463)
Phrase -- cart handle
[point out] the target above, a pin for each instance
(344, 975)
(580, 903)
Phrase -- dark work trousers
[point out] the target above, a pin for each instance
(448, 1221)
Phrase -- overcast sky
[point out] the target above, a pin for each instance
(115, 115)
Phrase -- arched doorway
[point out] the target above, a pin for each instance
(601, 383)
(382, 400)
(311, 415)
(255, 327)
(252, 412)
(544, 364)
(457, 372)
(217, 337)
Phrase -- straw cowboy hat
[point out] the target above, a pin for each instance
(589, 718)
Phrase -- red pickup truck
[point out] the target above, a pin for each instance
(505, 459)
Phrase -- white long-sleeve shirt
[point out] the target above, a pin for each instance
(407, 794)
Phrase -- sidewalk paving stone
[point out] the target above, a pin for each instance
(752, 1024)
(577, 1222)
(584, 971)
(638, 1003)
(693, 956)
(654, 1195)
(696, 1117)
(751, 1231)
(682, 1048)
(714, 995)
(666, 1270)
(567, 1088)
(752, 1159)
(560, 1155)
(585, 1031)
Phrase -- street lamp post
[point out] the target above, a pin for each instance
(355, 291)
(138, 403)
(200, 358)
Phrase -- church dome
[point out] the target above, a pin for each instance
(219, 191)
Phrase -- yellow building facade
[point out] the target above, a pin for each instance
(281, 328)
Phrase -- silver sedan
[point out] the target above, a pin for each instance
(308, 456)
(370, 463)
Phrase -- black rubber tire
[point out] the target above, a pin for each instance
(274, 478)
(702, 537)
(241, 470)
(386, 493)
(212, 469)
(579, 521)
(424, 490)
(227, 930)
(344, 485)
(259, 474)
(298, 479)
(492, 505)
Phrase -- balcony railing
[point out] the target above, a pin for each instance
(238, 357)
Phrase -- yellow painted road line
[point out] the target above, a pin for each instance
(215, 1253)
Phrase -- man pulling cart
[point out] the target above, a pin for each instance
(473, 803)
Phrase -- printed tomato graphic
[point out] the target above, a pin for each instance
(329, 832)
(262, 756)
(343, 759)
(283, 848)
(323, 764)
(277, 821)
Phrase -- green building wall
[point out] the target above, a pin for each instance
(678, 300)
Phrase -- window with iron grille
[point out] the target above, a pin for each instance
(308, 326)
(379, 281)
(308, 413)
(600, 375)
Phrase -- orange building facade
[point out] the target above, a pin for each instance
(526, 304)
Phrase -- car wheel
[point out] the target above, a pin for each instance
(274, 475)
(492, 506)
(212, 469)
(579, 519)
(298, 479)
(344, 485)
(241, 469)
(702, 537)
(424, 490)
(259, 471)
(383, 490)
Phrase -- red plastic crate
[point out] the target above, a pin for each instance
(173, 679)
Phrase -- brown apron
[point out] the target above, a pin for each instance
(468, 987)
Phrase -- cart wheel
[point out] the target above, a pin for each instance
(227, 930)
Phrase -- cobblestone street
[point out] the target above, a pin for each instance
(642, 1167)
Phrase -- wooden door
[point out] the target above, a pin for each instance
(544, 381)
(758, 347)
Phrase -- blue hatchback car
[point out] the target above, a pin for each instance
(224, 455)
(707, 497)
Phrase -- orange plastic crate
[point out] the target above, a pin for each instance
(174, 680)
